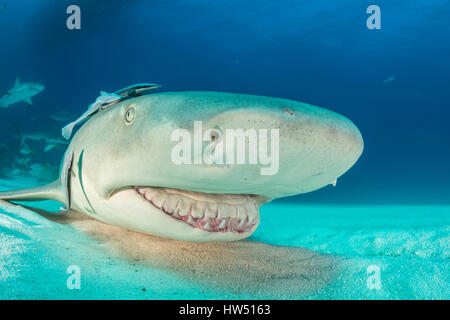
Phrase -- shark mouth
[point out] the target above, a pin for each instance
(206, 211)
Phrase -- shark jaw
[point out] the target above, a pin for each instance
(214, 213)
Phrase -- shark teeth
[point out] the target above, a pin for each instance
(209, 212)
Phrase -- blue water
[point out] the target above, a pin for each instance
(391, 210)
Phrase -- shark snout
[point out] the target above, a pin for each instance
(334, 147)
(298, 149)
(343, 142)
(38, 87)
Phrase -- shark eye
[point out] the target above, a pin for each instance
(130, 114)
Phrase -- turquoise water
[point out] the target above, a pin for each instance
(409, 244)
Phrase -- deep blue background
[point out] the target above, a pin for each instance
(319, 52)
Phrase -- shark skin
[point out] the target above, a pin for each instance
(118, 168)
(22, 91)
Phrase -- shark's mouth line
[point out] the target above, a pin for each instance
(207, 211)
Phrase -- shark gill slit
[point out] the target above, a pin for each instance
(80, 174)
(69, 179)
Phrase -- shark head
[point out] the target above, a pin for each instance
(197, 166)
(36, 87)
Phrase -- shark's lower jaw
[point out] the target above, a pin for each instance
(206, 211)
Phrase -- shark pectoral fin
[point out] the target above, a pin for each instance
(28, 100)
(51, 191)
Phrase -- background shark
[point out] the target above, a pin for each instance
(39, 135)
(22, 91)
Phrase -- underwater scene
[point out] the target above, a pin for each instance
(226, 149)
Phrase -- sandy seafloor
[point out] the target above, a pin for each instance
(409, 244)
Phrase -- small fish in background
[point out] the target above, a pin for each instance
(390, 79)
(22, 161)
(16, 167)
(26, 149)
(3, 6)
(50, 147)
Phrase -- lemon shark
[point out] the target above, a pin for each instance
(22, 91)
(119, 167)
